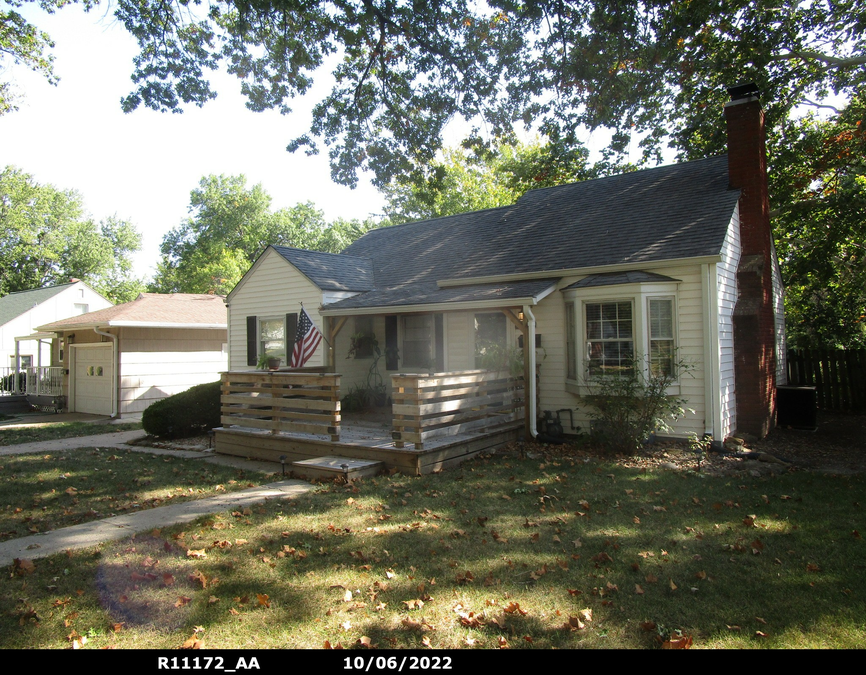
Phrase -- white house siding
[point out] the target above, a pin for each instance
(60, 306)
(276, 288)
(779, 310)
(726, 280)
(160, 362)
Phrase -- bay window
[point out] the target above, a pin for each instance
(614, 327)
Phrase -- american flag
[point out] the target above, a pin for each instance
(307, 339)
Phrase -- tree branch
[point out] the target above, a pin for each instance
(831, 62)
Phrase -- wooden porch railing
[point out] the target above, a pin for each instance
(302, 402)
(446, 404)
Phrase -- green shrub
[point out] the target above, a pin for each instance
(627, 406)
(188, 413)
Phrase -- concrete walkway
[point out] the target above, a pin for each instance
(119, 527)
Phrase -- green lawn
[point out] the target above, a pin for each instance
(47, 491)
(15, 435)
(523, 553)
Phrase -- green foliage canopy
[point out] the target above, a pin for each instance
(401, 70)
(471, 180)
(47, 239)
(819, 195)
(230, 226)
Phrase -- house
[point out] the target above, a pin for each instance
(117, 361)
(675, 262)
(22, 312)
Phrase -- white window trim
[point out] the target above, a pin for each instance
(639, 296)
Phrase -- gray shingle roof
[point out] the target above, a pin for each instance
(666, 213)
(15, 304)
(428, 293)
(330, 271)
(617, 278)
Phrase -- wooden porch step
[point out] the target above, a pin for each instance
(331, 467)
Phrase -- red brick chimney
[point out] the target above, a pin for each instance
(754, 329)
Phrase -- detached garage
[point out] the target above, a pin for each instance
(119, 360)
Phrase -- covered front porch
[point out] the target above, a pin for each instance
(431, 422)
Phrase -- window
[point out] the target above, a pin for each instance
(362, 340)
(490, 339)
(661, 335)
(418, 340)
(272, 337)
(610, 327)
(609, 337)
(81, 308)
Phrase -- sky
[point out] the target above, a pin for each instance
(142, 166)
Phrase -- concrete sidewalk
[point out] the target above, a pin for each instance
(118, 527)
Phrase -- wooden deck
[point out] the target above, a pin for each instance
(364, 442)
(445, 417)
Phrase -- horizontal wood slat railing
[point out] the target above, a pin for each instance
(302, 402)
(447, 404)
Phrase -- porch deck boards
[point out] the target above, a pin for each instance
(360, 441)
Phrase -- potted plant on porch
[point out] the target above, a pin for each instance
(269, 361)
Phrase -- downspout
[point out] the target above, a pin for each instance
(532, 385)
(115, 374)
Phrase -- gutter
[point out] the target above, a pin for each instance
(578, 271)
(532, 388)
(115, 370)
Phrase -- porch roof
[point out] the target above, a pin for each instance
(428, 294)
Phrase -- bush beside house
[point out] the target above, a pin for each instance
(188, 413)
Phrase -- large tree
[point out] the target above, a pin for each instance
(230, 226)
(48, 239)
(819, 215)
(402, 69)
(470, 179)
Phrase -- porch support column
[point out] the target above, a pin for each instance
(333, 326)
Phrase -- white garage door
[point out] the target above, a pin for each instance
(92, 378)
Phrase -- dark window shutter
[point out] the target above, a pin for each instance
(439, 323)
(291, 334)
(391, 354)
(252, 340)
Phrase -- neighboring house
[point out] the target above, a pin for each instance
(22, 312)
(675, 262)
(121, 359)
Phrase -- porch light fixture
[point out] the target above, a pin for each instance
(520, 316)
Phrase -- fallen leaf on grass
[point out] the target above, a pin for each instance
(23, 566)
(182, 600)
(263, 599)
(193, 643)
(678, 642)
(200, 553)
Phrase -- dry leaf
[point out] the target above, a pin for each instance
(23, 566)
(678, 642)
(264, 600)
(193, 643)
